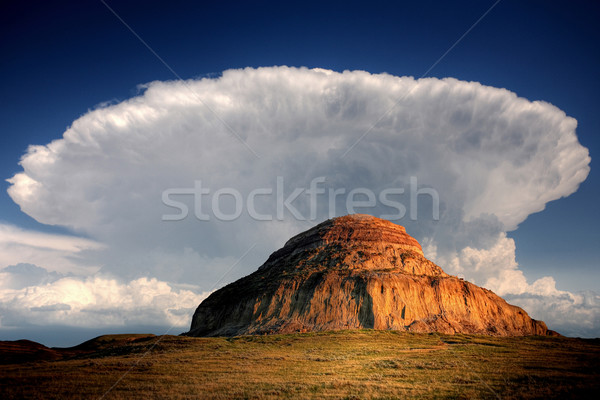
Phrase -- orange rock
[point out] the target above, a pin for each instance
(356, 272)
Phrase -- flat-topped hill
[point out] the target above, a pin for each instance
(355, 272)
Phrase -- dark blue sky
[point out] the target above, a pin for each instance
(60, 59)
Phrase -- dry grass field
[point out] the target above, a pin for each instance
(336, 365)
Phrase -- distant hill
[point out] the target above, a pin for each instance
(356, 272)
(24, 351)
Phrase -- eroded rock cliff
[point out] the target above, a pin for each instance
(356, 272)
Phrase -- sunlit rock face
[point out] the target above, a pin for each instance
(355, 272)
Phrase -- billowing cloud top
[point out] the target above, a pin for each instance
(481, 146)
(492, 157)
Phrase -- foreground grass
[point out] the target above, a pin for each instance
(350, 364)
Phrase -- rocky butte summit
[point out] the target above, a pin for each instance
(356, 272)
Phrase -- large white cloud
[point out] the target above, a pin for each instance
(492, 157)
(95, 301)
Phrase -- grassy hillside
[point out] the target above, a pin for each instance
(350, 364)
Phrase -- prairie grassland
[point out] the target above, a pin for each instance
(348, 364)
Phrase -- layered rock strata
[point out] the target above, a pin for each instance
(356, 272)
